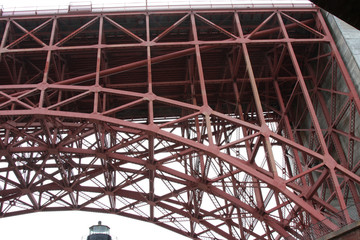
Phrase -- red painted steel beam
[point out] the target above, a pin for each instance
(231, 128)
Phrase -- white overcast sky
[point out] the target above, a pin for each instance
(74, 225)
(26, 3)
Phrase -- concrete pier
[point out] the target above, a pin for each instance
(347, 39)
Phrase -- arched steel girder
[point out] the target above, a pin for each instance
(54, 159)
(191, 182)
(277, 184)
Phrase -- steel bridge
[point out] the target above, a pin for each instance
(213, 123)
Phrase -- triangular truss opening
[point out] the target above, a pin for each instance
(209, 28)
(121, 30)
(179, 31)
(172, 28)
(33, 33)
(112, 104)
(301, 25)
(270, 28)
(79, 31)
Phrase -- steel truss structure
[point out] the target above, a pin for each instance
(215, 124)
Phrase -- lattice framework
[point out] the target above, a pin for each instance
(221, 124)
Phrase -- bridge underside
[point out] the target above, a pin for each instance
(221, 124)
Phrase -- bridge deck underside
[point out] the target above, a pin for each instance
(218, 124)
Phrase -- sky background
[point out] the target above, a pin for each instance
(74, 225)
